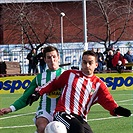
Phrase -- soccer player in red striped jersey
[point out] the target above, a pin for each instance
(82, 89)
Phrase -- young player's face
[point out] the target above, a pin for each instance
(52, 60)
(88, 64)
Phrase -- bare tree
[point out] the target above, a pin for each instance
(29, 24)
(1, 27)
(38, 23)
(112, 17)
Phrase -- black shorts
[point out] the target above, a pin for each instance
(73, 123)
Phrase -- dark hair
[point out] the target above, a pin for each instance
(92, 53)
(49, 49)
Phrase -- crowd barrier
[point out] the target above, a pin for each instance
(114, 81)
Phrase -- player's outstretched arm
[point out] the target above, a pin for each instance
(5, 111)
(122, 111)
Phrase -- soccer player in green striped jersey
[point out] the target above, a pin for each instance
(47, 103)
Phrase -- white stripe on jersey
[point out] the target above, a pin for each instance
(77, 99)
(43, 80)
(68, 93)
(53, 105)
(53, 100)
(44, 102)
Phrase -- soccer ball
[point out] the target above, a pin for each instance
(55, 127)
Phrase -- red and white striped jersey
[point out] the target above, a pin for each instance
(80, 93)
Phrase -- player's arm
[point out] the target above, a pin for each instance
(107, 101)
(39, 91)
(23, 100)
(53, 85)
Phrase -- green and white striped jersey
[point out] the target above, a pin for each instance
(48, 101)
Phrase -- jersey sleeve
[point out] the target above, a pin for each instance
(105, 99)
(21, 102)
(58, 82)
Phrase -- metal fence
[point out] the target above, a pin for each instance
(72, 56)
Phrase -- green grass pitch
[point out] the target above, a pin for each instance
(99, 119)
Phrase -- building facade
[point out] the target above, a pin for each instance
(39, 22)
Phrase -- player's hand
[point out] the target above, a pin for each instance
(5, 111)
(33, 97)
(1, 113)
(122, 111)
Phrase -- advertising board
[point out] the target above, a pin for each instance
(114, 81)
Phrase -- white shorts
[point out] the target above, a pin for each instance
(42, 113)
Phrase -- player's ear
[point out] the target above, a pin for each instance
(96, 61)
(59, 57)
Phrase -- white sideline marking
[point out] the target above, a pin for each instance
(16, 116)
(113, 117)
(118, 102)
(123, 94)
(126, 104)
(99, 119)
(124, 101)
(16, 126)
